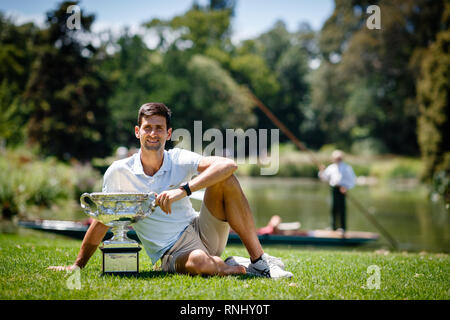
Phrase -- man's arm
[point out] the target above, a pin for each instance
(212, 170)
(91, 241)
(323, 173)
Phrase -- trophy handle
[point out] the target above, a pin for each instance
(150, 204)
(86, 206)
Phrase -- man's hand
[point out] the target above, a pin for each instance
(165, 199)
(63, 268)
(343, 190)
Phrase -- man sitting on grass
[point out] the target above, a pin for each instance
(185, 241)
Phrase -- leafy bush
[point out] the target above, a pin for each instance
(291, 169)
(286, 169)
(399, 168)
(441, 181)
(361, 169)
(85, 179)
(27, 183)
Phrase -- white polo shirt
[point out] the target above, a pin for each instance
(159, 231)
(339, 174)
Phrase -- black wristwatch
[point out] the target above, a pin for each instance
(187, 189)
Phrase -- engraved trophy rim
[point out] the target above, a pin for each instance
(117, 206)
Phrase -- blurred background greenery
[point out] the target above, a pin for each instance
(66, 104)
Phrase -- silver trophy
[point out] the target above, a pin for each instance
(119, 210)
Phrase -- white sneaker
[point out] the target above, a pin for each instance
(266, 267)
(276, 261)
(242, 261)
(237, 261)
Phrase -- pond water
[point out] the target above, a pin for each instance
(404, 210)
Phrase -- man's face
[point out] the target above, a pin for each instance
(153, 132)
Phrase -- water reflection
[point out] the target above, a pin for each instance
(405, 211)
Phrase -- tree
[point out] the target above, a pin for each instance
(197, 29)
(185, 75)
(433, 93)
(223, 5)
(16, 55)
(66, 91)
(227, 103)
(286, 56)
(383, 61)
(130, 71)
(196, 87)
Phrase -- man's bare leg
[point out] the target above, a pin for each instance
(198, 262)
(227, 202)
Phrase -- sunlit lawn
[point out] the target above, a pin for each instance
(318, 274)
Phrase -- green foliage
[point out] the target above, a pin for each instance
(398, 168)
(16, 51)
(181, 73)
(441, 185)
(228, 104)
(204, 28)
(366, 146)
(67, 93)
(27, 182)
(361, 169)
(293, 163)
(223, 5)
(285, 88)
(434, 89)
(197, 29)
(13, 114)
(434, 105)
(130, 71)
(292, 169)
(85, 179)
(251, 69)
(16, 54)
(75, 100)
(367, 84)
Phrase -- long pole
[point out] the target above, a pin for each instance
(302, 147)
(366, 213)
(282, 127)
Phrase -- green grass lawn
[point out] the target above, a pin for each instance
(318, 274)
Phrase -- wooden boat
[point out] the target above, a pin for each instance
(301, 237)
(314, 237)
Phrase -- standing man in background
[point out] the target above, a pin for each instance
(341, 178)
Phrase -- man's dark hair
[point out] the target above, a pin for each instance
(152, 109)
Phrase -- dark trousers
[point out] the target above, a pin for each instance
(338, 210)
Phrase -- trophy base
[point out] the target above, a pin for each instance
(120, 260)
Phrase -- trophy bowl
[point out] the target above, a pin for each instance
(119, 210)
(119, 206)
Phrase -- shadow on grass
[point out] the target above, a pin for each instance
(163, 274)
(140, 275)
